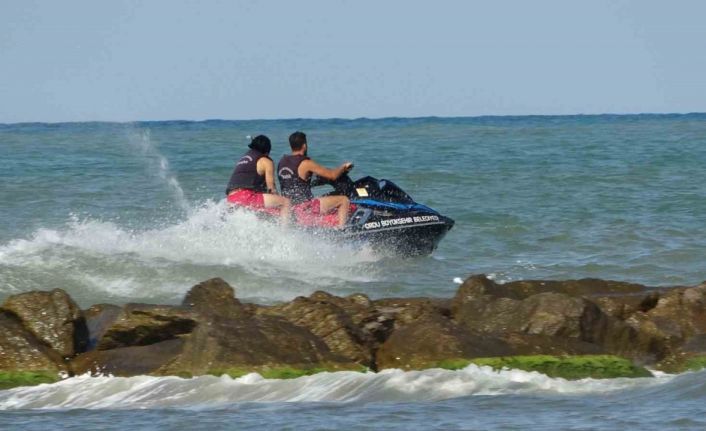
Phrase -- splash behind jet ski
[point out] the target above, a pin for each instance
(381, 215)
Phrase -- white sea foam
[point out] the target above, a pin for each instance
(102, 256)
(142, 140)
(209, 392)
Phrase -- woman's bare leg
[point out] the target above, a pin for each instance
(276, 201)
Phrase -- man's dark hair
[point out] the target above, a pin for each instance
(297, 140)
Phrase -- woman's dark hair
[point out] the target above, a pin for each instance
(297, 140)
(261, 143)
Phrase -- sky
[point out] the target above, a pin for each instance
(124, 60)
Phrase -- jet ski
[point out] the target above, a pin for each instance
(381, 215)
(386, 217)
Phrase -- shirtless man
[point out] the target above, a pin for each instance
(252, 183)
(294, 172)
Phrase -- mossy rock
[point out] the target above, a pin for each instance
(694, 363)
(282, 372)
(11, 379)
(569, 367)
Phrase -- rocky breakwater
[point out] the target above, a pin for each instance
(575, 328)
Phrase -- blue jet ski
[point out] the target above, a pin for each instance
(387, 218)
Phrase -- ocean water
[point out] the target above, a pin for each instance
(119, 212)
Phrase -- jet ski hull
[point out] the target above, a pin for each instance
(382, 215)
(408, 239)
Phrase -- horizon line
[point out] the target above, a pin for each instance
(182, 120)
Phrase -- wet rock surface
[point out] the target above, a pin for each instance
(330, 322)
(212, 331)
(20, 350)
(53, 317)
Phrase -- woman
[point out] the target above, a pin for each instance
(252, 183)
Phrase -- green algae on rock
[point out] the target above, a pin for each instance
(284, 372)
(568, 367)
(11, 379)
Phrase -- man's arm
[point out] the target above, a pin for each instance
(266, 165)
(329, 174)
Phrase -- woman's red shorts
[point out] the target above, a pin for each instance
(247, 198)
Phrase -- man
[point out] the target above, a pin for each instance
(252, 183)
(294, 172)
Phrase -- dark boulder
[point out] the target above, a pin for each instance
(53, 317)
(582, 287)
(128, 361)
(675, 326)
(571, 321)
(681, 313)
(144, 324)
(212, 331)
(248, 343)
(624, 306)
(214, 297)
(404, 311)
(361, 311)
(330, 322)
(433, 340)
(479, 285)
(99, 318)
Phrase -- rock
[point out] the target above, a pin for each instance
(217, 344)
(99, 318)
(144, 324)
(20, 350)
(211, 331)
(53, 317)
(480, 285)
(404, 311)
(228, 336)
(357, 306)
(582, 287)
(477, 286)
(214, 297)
(128, 361)
(429, 342)
(557, 316)
(328, 321)
(225, 343)
(624, 306)
(525, 344)
(681, 313)
(480, 307)
(675, 326)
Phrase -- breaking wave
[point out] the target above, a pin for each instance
(95, 260)
(210, 392)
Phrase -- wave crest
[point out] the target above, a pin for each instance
(100, 258)
(210, 392)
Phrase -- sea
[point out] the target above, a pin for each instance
(134, 212)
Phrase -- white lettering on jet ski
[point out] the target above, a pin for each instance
(400, 221)
(397, 221)
(421, 219)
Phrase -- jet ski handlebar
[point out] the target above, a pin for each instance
(343, 185)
